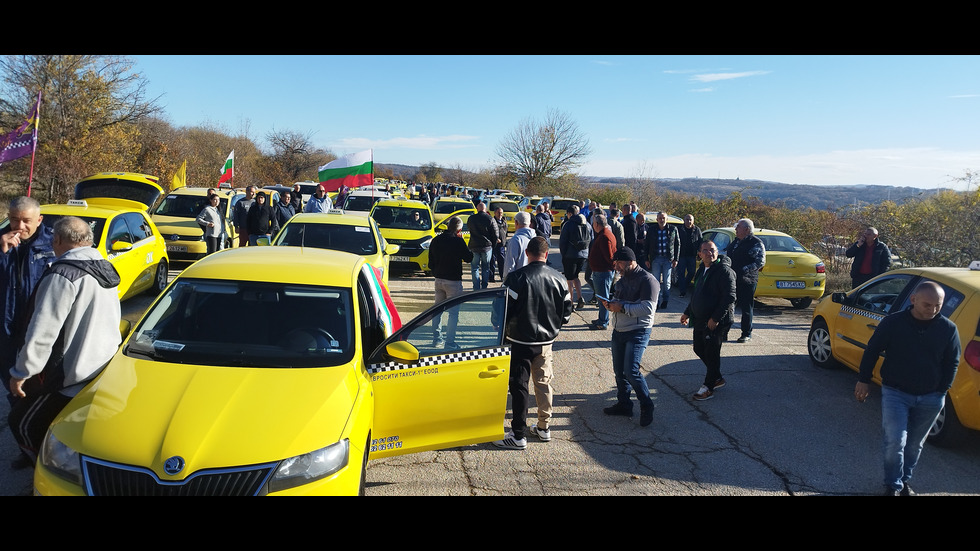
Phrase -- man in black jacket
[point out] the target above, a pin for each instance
(447, 252)
(483, 236)
(261, 221)
(711, 313)
(871, 257)
(748, 256)
(538, 304)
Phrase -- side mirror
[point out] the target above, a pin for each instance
(392, 249)
(839, 297)
(124, 328)
(120, 246)
(263, 240)
(403, 351)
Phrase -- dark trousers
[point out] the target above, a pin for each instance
(497, 261)
(707, 346)
(744, 299)
(29, 419)
(521, 356)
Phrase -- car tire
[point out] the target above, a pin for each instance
(818, 346)
(947, 431)
(801, 303)
(161, 273)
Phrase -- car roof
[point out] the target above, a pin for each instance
(96, 207)
(290, 265)
(334, 217)
(201, 191)
(396, 202)
(757, 231)
(671, 219)
(965, 277)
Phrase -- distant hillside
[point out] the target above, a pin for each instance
(794, 196)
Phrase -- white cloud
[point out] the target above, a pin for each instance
(711, 77)
(422, 142)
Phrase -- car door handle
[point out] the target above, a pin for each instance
(492, 371)
(871, 326)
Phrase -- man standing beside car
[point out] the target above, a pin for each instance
(871, 257)
(240, 215)
(483, 236)
(663, 250)
(447, 252)
(687, 261)
(72, 335)
(748, 256)
(922, 352)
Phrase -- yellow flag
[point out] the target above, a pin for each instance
(180, 178)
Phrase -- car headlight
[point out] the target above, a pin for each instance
(306, 468)
(61, 460)
(425, 244)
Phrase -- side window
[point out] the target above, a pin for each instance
(951, 301)
(119, 233)
(720, 240)
(881, 296)
(458, 324)
(139, 226)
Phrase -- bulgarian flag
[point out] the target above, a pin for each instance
(354, 170)
(227, 171)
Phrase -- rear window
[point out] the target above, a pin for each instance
(505, 205)
(336, 237)
(563, 204)
(781, 244)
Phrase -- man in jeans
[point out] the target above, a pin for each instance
(922, 352)
(483, 236)
(633, 310)
(601, 261)
(663, 251)
(447, 252)
(687, 262)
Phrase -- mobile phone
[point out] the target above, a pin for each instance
(602, 298)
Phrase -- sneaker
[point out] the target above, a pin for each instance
(744, 338)
(626, 410)
(704, 393)
(646, 415)
(718, 384)
(543, 435)
(597, 325)
(907, 490)
(511, 443)
(581, 303)
(593, 300)
(889, 491)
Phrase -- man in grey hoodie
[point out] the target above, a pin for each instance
(72, 335)
(514, 256)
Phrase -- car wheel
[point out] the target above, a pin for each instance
(159, 279)
(947, 431)
(800, 303)
(818, 346)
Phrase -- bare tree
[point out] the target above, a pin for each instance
(294, 157)
(537, 152)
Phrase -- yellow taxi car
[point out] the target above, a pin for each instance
(115, 206)
(409, 225)
(360, 200)
(445, 206)
(559, 206)
(511, 208)
(791, 271)
(297, 405)
(176, 217)
(337, 231)
(843, 324)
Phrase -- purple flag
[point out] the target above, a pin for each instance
(21, 142)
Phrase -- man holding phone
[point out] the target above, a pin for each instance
(871, 257)
(632, 309)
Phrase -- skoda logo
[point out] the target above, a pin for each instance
(173, 465)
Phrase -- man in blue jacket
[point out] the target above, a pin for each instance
(922, 352)
(27, 251)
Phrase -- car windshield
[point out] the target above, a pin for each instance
(446, 207)
(360, 202)
(97, 225)
(781, 244)
(506, 205)
(402, 218)
(186, 206)
(336, 237)
(200, 321)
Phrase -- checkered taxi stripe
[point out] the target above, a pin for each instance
(862, 312)
(441, 359)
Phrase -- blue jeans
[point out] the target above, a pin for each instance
(906, 420)
(601, 283)
(661, 268)
(627, 351)
(480, 269)
(686, 266)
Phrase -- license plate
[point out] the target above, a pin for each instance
(791, 285)
(400, 259)
(176, 248)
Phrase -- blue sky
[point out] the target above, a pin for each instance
(889, 120)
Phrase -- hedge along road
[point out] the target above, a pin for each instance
(781, 426)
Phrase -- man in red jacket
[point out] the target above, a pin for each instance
(601, 262)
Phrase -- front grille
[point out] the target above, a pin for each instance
(110, 479)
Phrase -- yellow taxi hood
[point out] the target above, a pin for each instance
(142, 413)
(176, 224)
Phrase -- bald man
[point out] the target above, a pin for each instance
(922, 352)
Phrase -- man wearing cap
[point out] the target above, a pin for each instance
(633, 308)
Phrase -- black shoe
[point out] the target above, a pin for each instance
(682, 294)
(626, 410)
(662, 305)
(907, 490)
(891, 492)
(646, 415)
(744, 338)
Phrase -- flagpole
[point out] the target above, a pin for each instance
(37, 122)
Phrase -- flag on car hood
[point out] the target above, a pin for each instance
(354, 170)
(227, 171)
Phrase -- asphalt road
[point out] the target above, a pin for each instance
(781, 426)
